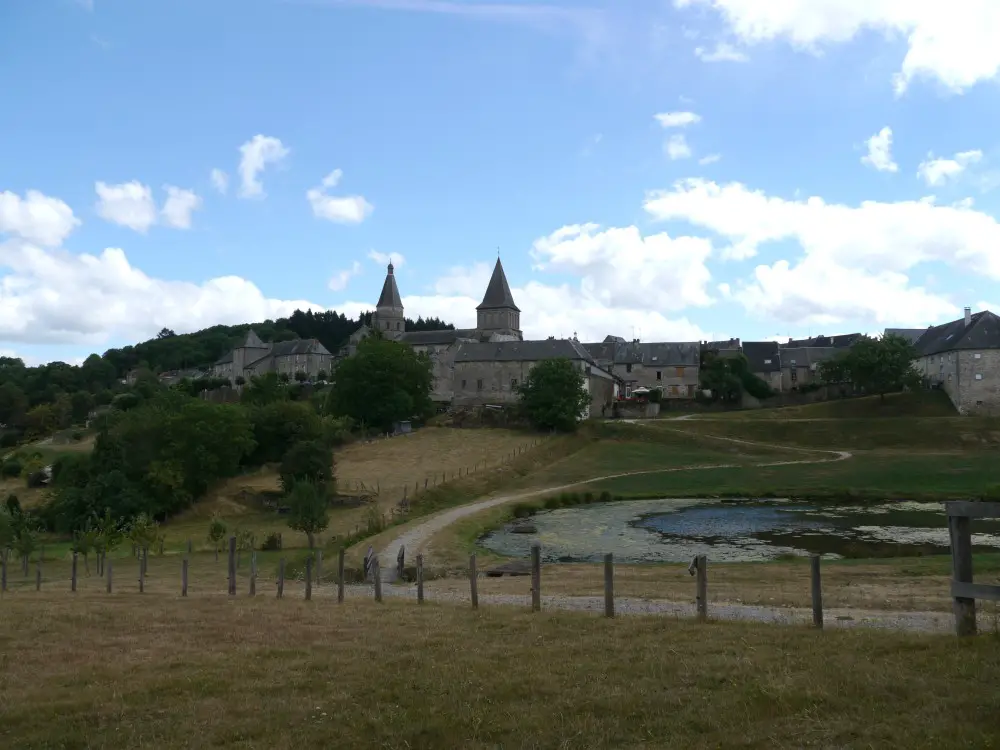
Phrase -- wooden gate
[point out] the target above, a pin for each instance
(963, 591)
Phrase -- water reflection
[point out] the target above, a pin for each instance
(727, 530)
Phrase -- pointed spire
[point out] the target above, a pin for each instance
(498, 291)
(390, 292)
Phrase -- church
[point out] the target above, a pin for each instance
(485, 364)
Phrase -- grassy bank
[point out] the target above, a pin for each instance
(134, 671)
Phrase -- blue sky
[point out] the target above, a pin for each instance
(819, 167)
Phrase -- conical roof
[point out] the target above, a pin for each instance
(252, 341)
(498, 292)
(390, 292)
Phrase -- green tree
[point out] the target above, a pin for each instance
(554, 395)
(263, 390)
(301, 377)
(881, 365)
(278, 426)
(216, 533)
(729, 377)
(81, 404)
(308, 510)
(308, 461)
(383, 383)
(13, 404)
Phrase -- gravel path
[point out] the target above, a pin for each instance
(918, 622)
(415, 538)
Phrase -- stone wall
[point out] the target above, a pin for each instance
(442, 357)
(634, 410)
(977, 378)
(677, 381)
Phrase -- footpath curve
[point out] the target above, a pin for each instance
(415, 539)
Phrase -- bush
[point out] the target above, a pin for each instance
(307, 461)
(11, 468)
(76, 436)
(271, 542)
(36, 479)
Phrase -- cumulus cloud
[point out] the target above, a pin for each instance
(220, 181)
(677, 119)
(677, 147)
(350, 209)
(179, 206)
(255, 155)
(937, 172)
(129, 204)
(854, 258)
(338, 282)
(953, 43)
(36, 217)
(879, 154)
(722, 52)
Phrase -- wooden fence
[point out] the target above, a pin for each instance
(964, 591)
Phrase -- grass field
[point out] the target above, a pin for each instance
(894, 405)
(135, 671)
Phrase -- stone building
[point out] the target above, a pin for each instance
(800, 358)
(764, 360)
(490, 373)
(255, 357)
(963, 358)
(674, 368)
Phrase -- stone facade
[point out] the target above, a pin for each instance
(255, 357)
(673, 368)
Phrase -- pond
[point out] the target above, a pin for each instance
(734, 531)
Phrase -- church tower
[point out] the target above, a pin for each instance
(497, 315)
(388, 317)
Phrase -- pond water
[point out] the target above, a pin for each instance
(734, 531)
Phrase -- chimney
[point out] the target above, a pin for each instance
(968, 317)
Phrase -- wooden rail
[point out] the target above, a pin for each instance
(963, 591)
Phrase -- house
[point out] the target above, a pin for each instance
(800, 358)
(672, 367)
(963, 358)
(727, 348)
(490, 373)
(255, 357)
(764, 361)
(910, 334)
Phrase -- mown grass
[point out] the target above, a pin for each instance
(135, 671)
(919, 404)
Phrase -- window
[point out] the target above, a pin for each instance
(979, 376)
(628, 367)
(479, 384)
(680, 372)
(795, 375)
(513, 383)
(977, 355)
(463, 385)
(767, 361)
(658, 375)
(397, 326)
(673, 390)
(793, 363)
(690, 391)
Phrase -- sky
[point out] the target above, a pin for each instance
(668, 170)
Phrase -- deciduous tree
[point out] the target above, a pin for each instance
(554, 395)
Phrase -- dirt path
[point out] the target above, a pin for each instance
(415, 539)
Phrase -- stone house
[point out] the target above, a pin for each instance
(255, 357)
(672, 367)
(764, 360)
(800, 358)
(490, 373)
(963, 358)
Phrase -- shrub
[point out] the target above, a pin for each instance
(271, 542)
(11, 468)
(307, 461)
(605, 497)
(524, 510)
(76, 436)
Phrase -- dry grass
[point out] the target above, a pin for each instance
(129, 671)
(897, 584)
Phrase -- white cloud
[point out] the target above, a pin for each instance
(723, 52)
(255, 155)
(936, 172)
(710, 159)
(179, 206)
(677, 147)
(56, 297)
(954, 43)
(36, 217)
(351, 209)
(338, 282)
(397, 259)
(677, 119)
(129, 204)
(220, 181)
(855, 258)
(879, 154)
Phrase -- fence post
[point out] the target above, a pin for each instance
(378, 581)
(281, 577)
(609, 585)
(142, 573)
(309, 577)
(340, 576)
(400, 561)
(702, 595)
(38, 576)
(189, 546)
(536, 577)
(108, 570)
(961, 561)
(420, 579)
(184, 577)
(425, 483)
(817, 593)
(253, 573)
(232, 566)
(74, 573)
(473, 581)
(3, 570)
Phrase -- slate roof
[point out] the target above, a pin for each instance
(910, 334)
(806, 356)
(649, 355)
(763, 356)
(498, 292)
(982, 333)
(523, 351)
(390, 292)
(721, 345)
(290, 348)
(252, 341)
(225, 358)
(842, 341)
(429, 338)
